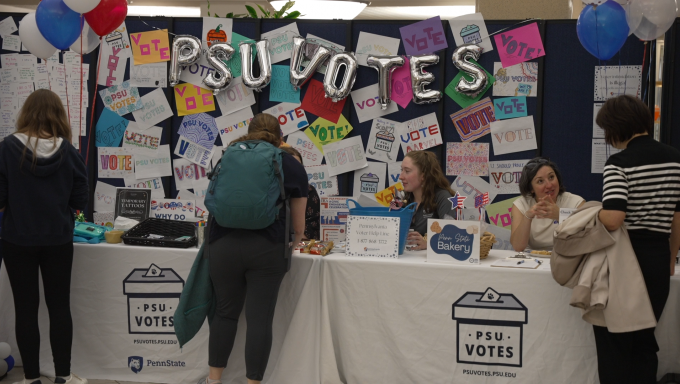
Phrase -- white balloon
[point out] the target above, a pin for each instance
(650, 19)
(82, 6)
(5, 350)
(90, 40)
(3, 367)
(33, 39)
(593, 2)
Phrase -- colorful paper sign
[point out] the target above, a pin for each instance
(420, 133)
(377, 45)
(235, 97)
(121, 99)
(513, 135)
(173, 209)
(216, 30)
(149, 75)
(463, 100)
(402, 91)
(368, 181)
(393, 172)
(323, 132)
(386, 196)
(504, 176)
(103, 218)
(313, 44)
(382, 142)
(200, 128)
(471, 187)
(150, 47)
(114, 56)
(453, 241)
(110, 129)
(281, 42)
(366, 103)
(156, 109)
(517, 80)
(186, 173)
(155, 184)
(510, 107)
(423, 37)
(280, 88)
(467, 159)
(334, 214)
(291, 117)
(104, 197)
(345, 155)
(311, 155)
(474, 121)
(519, 45)
(193, 152)
(471, 29)
(316, 102)
(319, 178)
(235, 125)
(156, 165)
(191, 99)
(114, 162)
(142, 141)
(499, 213)
(234, 63)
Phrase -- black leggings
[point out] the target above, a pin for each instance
(244, 267)
(54, 263)
(630, 357)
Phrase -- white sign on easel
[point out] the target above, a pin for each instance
(372, 236)
(453, 241)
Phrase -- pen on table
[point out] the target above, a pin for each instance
(520, 262)
(539, 261)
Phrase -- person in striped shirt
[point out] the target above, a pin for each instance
(641, 191)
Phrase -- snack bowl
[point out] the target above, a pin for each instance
(113, 237)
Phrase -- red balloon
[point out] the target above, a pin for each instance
(107, 16)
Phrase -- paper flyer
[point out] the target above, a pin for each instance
(368, 181)
(334, 214)
(156, 109)
(366, 103)
(513, 135)
(291, 117)
(467, 159)
(323, 132)
(474, 121)
(382, 142)
(420, 133)
(234, 125)
(516, 80)
(345, 155)
(319, 178)
(504, 176)
(156, 165)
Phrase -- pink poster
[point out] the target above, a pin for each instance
(401, 84)
(519, 45)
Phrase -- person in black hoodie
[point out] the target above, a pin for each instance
(42, 179)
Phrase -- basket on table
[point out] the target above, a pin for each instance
(485, 243)
(167, 230)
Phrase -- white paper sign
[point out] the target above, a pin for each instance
(196, 72)
(502, 238)
(382, 142)
(311, 155)
(11, 43)
(453, 241)
(516, 80)
(115, 162)
(281, 42)
(173, 209)
(234, 125)
(104, 197)
(235, 97)
(216, 30)
(193, 152)
(471, 187)
(615, 80)
(600, 154)
(566, 212)
(149, 75)
(598, 133)
(393, 172)
(366, 103)
(155, 184)
(292, 117)
(156, 109)
(373, 236)
(187, 172)
(103, 218)
(183, 194)
(345, 155)
(513, 135)
(7, 26)
(9, 75)
(116, 59)
(370, 180)
(376, 45)
(142, 141)
(471, 29)
(504, 176)
(158, 165)
(319, 178)
(420, 133)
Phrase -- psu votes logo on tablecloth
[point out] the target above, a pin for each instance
(136, 363)
(152, 296)
(489, 328)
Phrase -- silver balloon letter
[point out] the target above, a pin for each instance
(263, 58)
(332, 91)
(218, 54)
(185, 51)
(299, 78)
(385, 66)
(461, 59)
(420, 78)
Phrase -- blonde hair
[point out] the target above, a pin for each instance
(433, 178)
(263, 127)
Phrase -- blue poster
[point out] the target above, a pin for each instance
(510, 107)
(280, 88)
(110, 129)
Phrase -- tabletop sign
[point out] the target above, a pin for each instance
(133, 203)
(373, 236)
(453, 241)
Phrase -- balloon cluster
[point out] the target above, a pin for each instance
(604, 26)
(6, 360)
(61, 24)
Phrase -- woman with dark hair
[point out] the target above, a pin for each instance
(536, 213)
(313, 211)
(247, 266)
(43, 179)
(425, 183)
(641, 190)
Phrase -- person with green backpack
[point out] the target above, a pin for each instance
(257, 192)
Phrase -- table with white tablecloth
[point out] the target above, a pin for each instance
(410, 321)
(122, 318)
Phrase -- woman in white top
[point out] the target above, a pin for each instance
(535, 214)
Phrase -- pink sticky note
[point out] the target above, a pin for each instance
(401, 84)
(519, 45)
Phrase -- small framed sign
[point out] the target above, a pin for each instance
(453, 241)
(372, 236)
(133, 203)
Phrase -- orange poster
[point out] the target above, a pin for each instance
(193, 99)
(150, 47)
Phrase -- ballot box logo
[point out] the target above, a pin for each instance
(489, 328)
(152, 297)
(136, 363)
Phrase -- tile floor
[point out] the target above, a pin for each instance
(17, 374)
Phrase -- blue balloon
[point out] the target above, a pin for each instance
(10, 363)
(602, 29)
(58, 23)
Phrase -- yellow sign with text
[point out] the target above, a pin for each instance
(150, 47)
(385, 196)
(192, 99)
(323, 132)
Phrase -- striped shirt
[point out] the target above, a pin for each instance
(644, 181)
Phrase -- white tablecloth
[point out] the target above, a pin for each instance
(107, 338)
(391, 321)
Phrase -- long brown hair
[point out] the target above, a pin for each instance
(263, 127)
(43, 117)
(433, 178)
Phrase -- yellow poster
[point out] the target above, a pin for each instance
(323, 132)
(192, 99)
(499, 213)
(150, 47)
(385, 196)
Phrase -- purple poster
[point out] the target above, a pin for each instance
(424, 37)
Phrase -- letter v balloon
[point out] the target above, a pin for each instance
(58, 23)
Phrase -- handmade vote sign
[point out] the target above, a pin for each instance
(235, 97)
(402, 91)
(280, 88)
(316, 102)
(467, 159)
(474, 121)
(234, 125)
(155, 184)
(115, 59)
(345, 155)
(372, 236)
(193, 152)
(142, 141)
(121, 99)
(281, 42)
(200, 129)
(291, 117)
(155, 165)
(110, 129)
(319, 178)
(149, 75)
(453, 241)
(115, 162)
(104, 197)
(504, 176)
(156, 109)
(510, 107)
(499, 213)
(517, 80)
(370, 44)
(519, 45)
(423, 37)
(386, 196)
(186, 173)
(513, 135)
(311, 155)
(367, 106)
(368, 181)
(393, 172)
(323, 132)
(150, 47)
(420, 133)
(192, 99)
(382, 144)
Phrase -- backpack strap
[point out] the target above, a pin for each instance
(206, 239)
(287, 246)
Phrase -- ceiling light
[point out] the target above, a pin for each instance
(325, 10)
(139, 10)
(415, 13)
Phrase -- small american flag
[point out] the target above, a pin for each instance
(482, 200)
(396, 204)
(457, 201)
